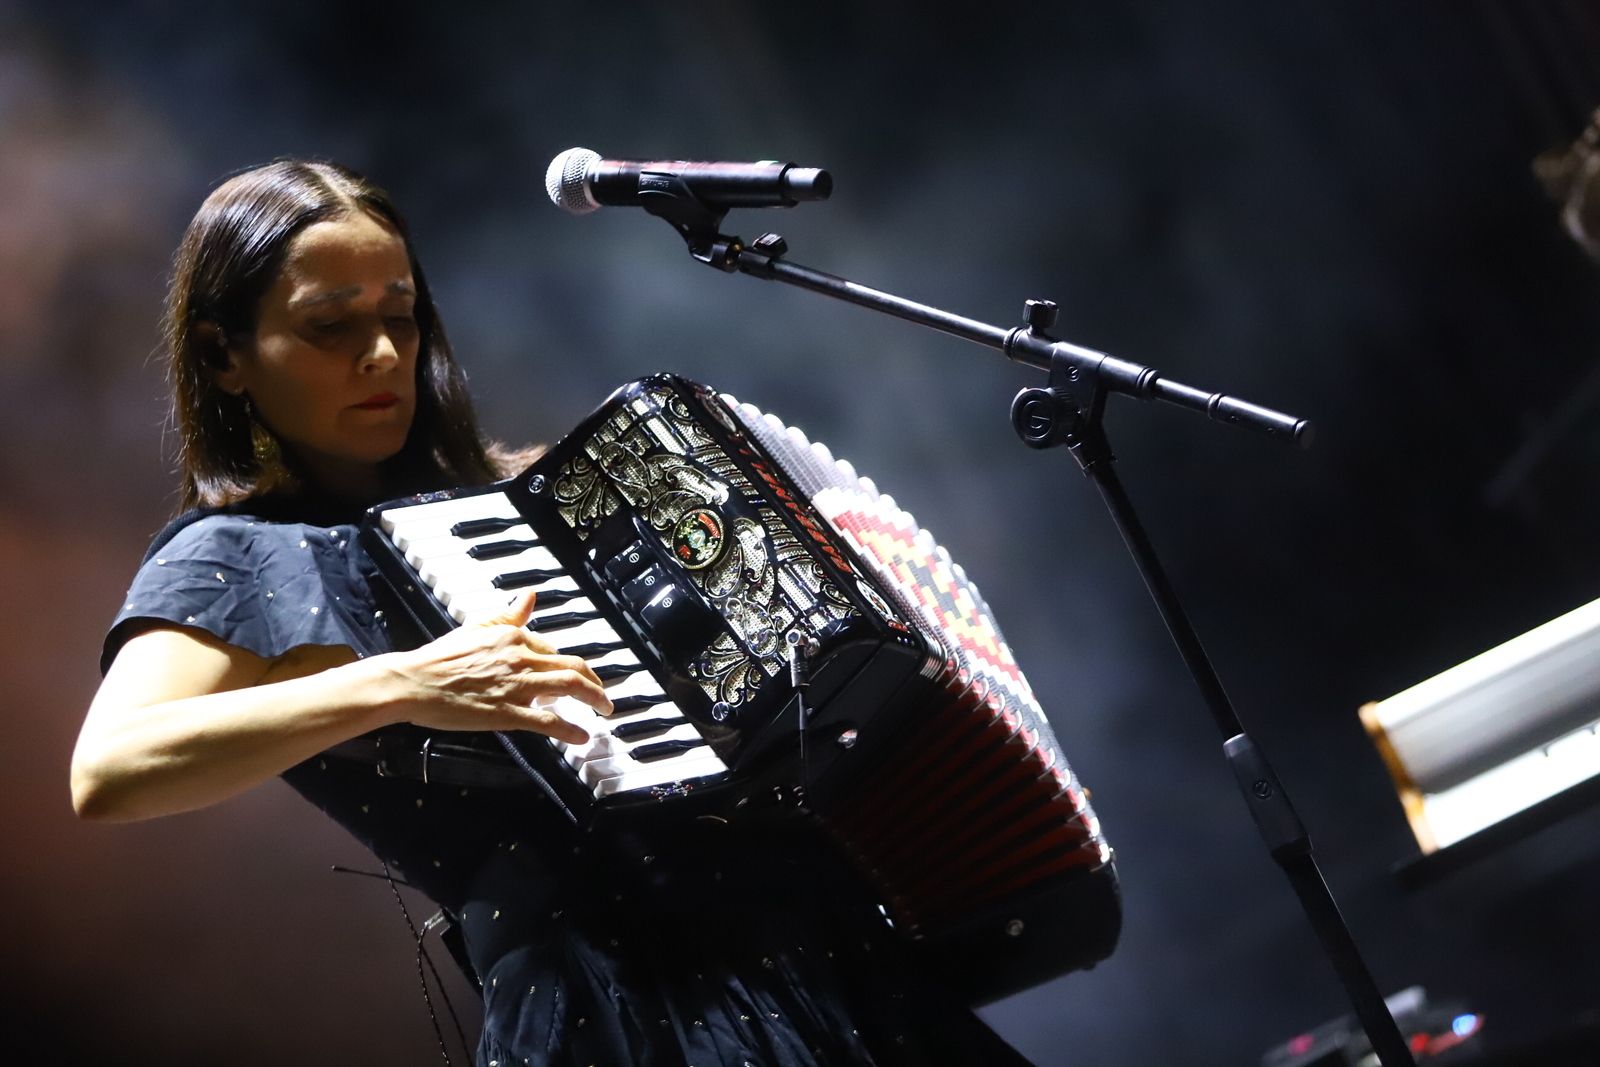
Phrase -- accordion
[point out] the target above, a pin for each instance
(704, 558)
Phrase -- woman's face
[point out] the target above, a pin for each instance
(331, 369)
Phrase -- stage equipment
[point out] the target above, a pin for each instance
(1497, 746)
(1442, 1033)
(579, 182)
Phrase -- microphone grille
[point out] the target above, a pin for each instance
(566, 181)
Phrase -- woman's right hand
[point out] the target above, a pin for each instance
(492, 675)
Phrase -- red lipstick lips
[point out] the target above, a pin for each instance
(378, 401)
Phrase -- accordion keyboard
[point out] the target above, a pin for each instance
(475, 555)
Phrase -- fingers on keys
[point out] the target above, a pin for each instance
(517, 613)
(547, 721)
(555, 675)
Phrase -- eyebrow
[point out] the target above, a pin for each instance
(349, 291)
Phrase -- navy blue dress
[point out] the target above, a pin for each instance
(690, 946)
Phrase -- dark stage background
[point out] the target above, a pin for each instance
(1327, 208)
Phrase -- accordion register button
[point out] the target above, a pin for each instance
(656, 611)
(678, 623)
(640, 591)
(627, 563)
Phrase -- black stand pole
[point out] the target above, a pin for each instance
(1069, 411)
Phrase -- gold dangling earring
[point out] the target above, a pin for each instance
(269, 456)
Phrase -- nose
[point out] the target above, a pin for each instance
(381, 355)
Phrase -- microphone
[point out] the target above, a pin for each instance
(579, 182)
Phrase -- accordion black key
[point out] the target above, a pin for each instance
(687, 546)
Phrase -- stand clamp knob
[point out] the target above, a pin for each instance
(1040, 315)
(1040, 419)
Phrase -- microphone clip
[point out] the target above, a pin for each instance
(668, 197)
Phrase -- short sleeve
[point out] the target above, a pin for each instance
(265, 587)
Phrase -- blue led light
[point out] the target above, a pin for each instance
(1464, 1025)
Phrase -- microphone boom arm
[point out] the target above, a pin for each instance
(698, 225)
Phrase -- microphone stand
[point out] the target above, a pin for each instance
(1069, 411)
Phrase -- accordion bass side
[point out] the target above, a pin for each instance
(687, 546)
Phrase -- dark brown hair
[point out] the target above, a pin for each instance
(229, 257)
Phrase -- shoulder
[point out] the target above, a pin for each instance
(206, 555)
(262, 585)
(270, 549)
(234, 529)
(200, 533)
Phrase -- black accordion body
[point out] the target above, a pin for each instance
(699, 553)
